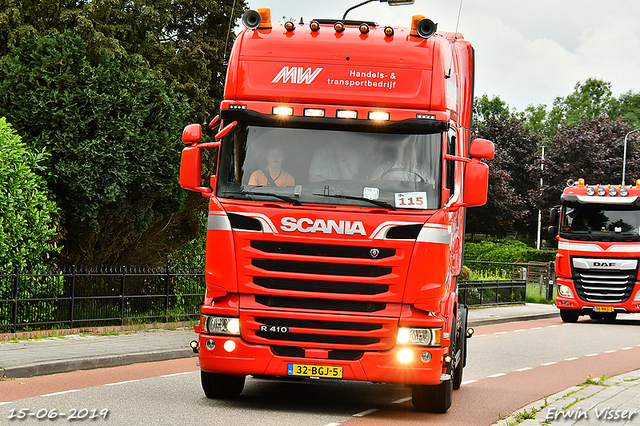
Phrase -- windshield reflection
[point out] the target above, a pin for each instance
(600, 222)
(331, 167)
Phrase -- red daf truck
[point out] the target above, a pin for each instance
(598, 250)
(337, 210)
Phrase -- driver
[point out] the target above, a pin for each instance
(272, 174)
(404, 166)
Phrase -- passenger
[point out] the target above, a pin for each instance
(404, 167)
(334, 161)
(273, 174)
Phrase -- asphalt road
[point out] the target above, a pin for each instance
(509, 366)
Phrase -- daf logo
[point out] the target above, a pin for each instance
(374, 252)
(604, 264)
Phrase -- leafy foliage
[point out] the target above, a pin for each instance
(27, 213)
(510, 251)
(110, 128)
(592, 149)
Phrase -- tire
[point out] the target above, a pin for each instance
(221, 386)
(569, 315)
(433, 399)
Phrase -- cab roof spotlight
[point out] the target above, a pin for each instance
(591, 190)
(388, 31)
(289, 26)
(601, 191)
(364, 28)
(624, 191)
(338, 27)
(612, 191)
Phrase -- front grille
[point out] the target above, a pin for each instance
(320, 304)
(343, 337)
(320, 268)
(599, 285)
(341, 287)
(349, 252)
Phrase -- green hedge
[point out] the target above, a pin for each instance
(506, 251)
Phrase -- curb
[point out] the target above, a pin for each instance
(65, 366)
(490, 321)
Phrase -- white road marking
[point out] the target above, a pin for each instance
(121, 383)
(60, 393)
(364, 413)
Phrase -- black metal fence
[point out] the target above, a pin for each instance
(84, 297)
(476, 293)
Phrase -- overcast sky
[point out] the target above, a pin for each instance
(527, 52)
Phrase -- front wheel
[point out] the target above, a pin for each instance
(221, 386)
(569, 315)
(433, 399)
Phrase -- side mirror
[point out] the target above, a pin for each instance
(553, 216)
(191, 170)
(552, 231)
(192, 134)
(482, 148)
(476, 183)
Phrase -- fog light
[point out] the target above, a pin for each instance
(447, 359)
(229, 345)
(405, 356)
(210, 344)
(194, 346)
(565, 291)
(425, 356)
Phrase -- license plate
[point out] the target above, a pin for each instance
(603, 309)
(315, 371)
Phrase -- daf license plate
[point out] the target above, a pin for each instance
(315, 371)
(603, 308)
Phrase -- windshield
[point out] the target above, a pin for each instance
(306, 166)
(600, 222)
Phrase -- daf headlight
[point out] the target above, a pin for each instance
(420, 336)
(220, 325)
(565, 291)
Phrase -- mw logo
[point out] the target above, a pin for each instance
(296, 75)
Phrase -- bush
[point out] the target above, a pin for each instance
(27, 213)
(509, 251)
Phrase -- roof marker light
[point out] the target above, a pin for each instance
(364, 28)
(388, 31)
(378, 115)
(338, 26)
(282, 110)
(289, 26)
(313, 112)
(343, 113)
(314, 25)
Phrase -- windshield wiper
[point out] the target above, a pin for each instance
(378, 203)
(286, 198)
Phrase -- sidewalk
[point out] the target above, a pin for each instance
(41, 356)
(614, 401)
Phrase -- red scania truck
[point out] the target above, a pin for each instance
(598, 250)
(337, 210)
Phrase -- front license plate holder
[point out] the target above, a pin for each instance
(603, 309)
(307, 370)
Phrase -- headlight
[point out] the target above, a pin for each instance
(420, 336)
(220, 325)
(565, 291)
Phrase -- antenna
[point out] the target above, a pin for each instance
(224, 59)
(456, 37)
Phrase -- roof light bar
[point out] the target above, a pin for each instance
(343, 113)
(313, 112)
(378, 115)
(282, 110)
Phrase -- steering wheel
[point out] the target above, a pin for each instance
(400, 169)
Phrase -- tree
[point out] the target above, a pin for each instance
(591, 149)
(111, 128)
(28, 215)
(627, 107)
(184, 39)
(508, 207)
(589, 100)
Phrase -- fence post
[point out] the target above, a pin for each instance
(122, 279)
(166, 293)
(14, 312)
(73, 295)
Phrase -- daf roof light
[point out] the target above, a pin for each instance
(591, 190)
(624, 191)
(601, 191)
(612, 191)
